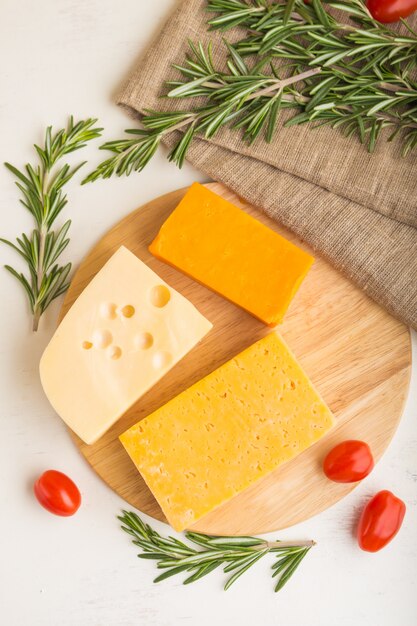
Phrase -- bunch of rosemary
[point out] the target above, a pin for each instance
(357, 76)
(42, 195)
(234, 554)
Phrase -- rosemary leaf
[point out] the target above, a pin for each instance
(170, 572)
(290, 570)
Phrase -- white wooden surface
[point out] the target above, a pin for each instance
(68, 56)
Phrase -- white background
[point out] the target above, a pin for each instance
(69, 56)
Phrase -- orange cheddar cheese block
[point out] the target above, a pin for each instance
(227, 431)
(227, 250)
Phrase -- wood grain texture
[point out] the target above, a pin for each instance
(357, 355)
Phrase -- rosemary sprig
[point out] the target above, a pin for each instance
(230, 96)
(234, 554)
(43, 197)
(355, 77)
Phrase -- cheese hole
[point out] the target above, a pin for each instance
(108, 310)
(87, 345)
(144, 341)
(128, 311)
(114, 352)
(102, 338)
(161, 359)
(159, 296)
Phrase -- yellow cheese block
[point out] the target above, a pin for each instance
(227, 431)
(124, 332)
(224, 248)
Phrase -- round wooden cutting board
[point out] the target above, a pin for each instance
(357, 355)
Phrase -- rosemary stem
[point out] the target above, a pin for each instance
(277, 84)
(188, 120)
(43, 231)
(290, 544)
(41, 254)
(280, 84)
(35, 319)
(388, 87)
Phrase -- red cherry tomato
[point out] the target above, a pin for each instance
(57, 493)
(348, 462)
(387, 11)
(380, 521)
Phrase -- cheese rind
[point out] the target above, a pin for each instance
(123, 333)
(227, 431)
(224, 248)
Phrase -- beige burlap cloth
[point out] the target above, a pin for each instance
(358, 210)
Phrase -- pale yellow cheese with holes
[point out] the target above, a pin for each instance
(227, 431)
(123, 333)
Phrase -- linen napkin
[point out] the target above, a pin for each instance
(358, 210)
